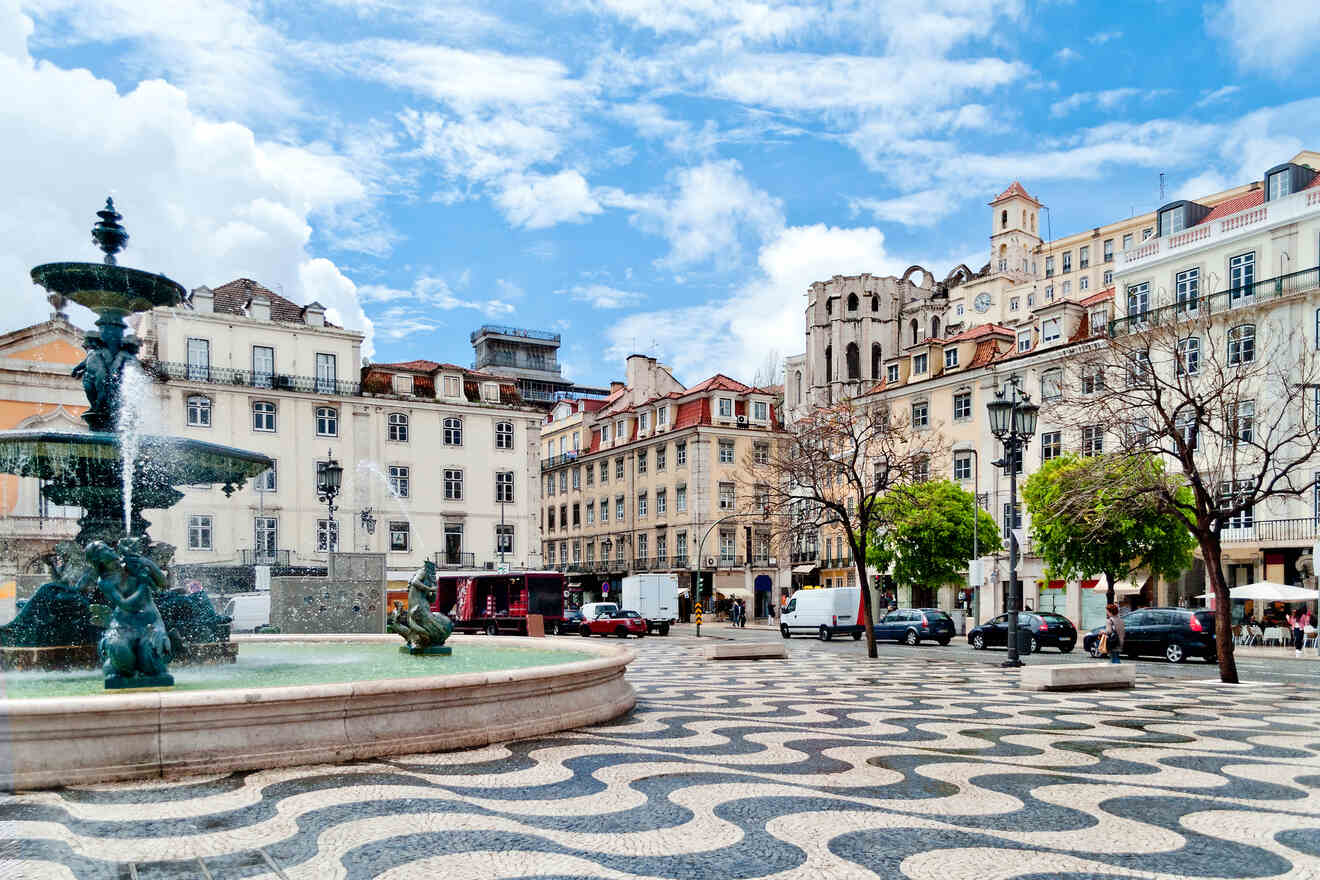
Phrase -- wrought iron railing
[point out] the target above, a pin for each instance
(1221, 301)
(279, 558)
(514, 331)
(557, 460)
(797, 557)
(1270, 530)
(249, 379)
(522, 362)
(447, 559)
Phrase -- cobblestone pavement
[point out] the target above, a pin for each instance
(821, 766)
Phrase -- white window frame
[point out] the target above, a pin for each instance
(504, 435)
(203, 411)
(327, 425)
(504, 484)
(453, 478)
(397, 427)
(201, 532)
(271, 414)
(452, 431)
(400, 527)
(400, 480)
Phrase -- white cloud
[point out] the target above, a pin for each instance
(1272, 37)
(602, 296)
(429, 293)
(535, 201)
(205, 202)
(924, 208)
(1104, 37)
(1109, 99)
(1223, 93)
(1067, 55)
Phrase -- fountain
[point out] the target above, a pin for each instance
(288, 699)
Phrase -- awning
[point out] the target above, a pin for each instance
(805, 569)
(1121, 588)
(1265, 591)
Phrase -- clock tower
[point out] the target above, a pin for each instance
(1014, 233)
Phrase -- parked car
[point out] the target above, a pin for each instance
(249, 611)
(591, 609)
(572, 622)
(1048, 630)
(825, 613)
(1174, 633)
(915, 625)
(616, 623)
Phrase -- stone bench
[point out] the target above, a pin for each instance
(747, 651)
(1079, 676)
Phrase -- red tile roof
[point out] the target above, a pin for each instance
(1102, 296)
(1015, 189)
(696, 412)
(232, 298)
(418, 366)
(986, 351)
(977, 332)
(1232, 206)
(719, 382)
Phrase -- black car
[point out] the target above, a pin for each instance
(572, 622)
(1174, 633)
(1048, 630)
(915, 625)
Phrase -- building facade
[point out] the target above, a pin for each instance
(529, 357)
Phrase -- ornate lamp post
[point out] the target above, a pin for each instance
(329, 478)
(1013, 422)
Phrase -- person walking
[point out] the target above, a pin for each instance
(1114, 632)
(1298, 622)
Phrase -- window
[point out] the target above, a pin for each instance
(265, 537)
(399, 537)
(950, 358)
(1093, 381)
(1108, 277)
(550, 485)
(1093, 440)
(326, 375)
(761, 453)
(726, 452)
(550, 552)
(920, 474)
(504, 539)
(618, 508)
(453, 387)
(726, 495)
(728, 544)
(1245, 421)
(199, 359)
(1173, 220)
(618, 468)
(1049, 330)
(199, 411)
(641, 505)
(1109, 250)
(661, 502)
(605, 509)
(661, 454)
(662, 417)
(680, 498)
(760, 411)
(1067, 261)
(680, 454)
(1012, 516)
(1083, 257)
(1232, 493)
(454, 484)
(891, 372)
(452, 433)
(1014, 303)
(490, 391)
(1280, 184)
(1049, 267)
(403, 384)
(1067, 287)
(1186, 426)
(504, 488)
(604, 471)
(962, 467)
(263, 366)
(1138, 368)
(1024, 340)
(1187, 287)
(199, 533)
(400, 481)
(1147, 233)
(1138, 300)
(577, 512)
(1242, 344)
(644, 421)
(1084, 283)
(1051, 384)
(919, 363)
(504, 435)
(1049, 293)
(1189, 355)
(550, 518)
(263, 415)
(962, 405)
(920, 415)
(591, 474)
(397, 427)
(1051, 445)
(327, 421)
(577, 478)
(1241, 277)
(563, 482)
(591, 513)
(265, 481)
(641, 461)
(327, 536)
(1127, 241)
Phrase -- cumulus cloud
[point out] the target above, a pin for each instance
(1109, 99)
(1223, 93)
(924, 208)
(1272, 37)
(535, 201)
(1067, 55)
(602, 296)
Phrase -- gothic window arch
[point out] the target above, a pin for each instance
(935, 328)
(1003, 219)
(915, 330)
(853, 358)
(875, 303)
(852, 302)
(829, 364)
(797, 380)
(829, 306)
(876, 359)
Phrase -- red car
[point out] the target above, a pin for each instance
(618, 623)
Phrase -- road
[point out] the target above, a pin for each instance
(1250, 669)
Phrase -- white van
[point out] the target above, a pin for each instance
(249, 611)
(591, 609)
(824, 613)
(655, 597)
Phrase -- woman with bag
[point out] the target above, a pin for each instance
(1298, 623)
(1114, 633)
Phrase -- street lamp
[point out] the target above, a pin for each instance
(1013, 422)
(329, 478)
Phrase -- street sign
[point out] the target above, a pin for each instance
(605, 588)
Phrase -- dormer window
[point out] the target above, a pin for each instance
(403, 384)
(1099, 318)
(891, 373)
(1049, 330)
(919, 363)
(950, 358)
(619, 429)
(1173, 220)
(1280, 184)
(490, 391)
(662, 417)
(1024, 341)
(726, 407)
(644, 421)
(453, 386)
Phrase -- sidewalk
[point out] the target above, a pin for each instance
(1274, 652)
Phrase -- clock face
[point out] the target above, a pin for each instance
(982, 302)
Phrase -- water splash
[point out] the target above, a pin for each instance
(139, 414)
(401, 502)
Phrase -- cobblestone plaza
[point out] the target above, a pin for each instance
(824, 765)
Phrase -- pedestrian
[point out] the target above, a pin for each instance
(1298, 623)
(1114, 632)
(742, 613)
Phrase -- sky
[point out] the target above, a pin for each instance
(656, 176)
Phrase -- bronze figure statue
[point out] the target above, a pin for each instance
(135, 649)
(425, 631)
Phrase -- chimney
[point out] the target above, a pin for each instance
(616, 386)
(259, 306)
(203, 299)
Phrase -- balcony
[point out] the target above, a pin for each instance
(1303, 530)
(248, 379)
(1215, 303)
(680, 561)
(277, 558)
(518, 361)
(555, 461)
(801, 557)
(518, 332)
(447, 559)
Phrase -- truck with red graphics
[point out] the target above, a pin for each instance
(499, 602)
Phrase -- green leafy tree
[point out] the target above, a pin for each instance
(1086, 519)
(927, 536)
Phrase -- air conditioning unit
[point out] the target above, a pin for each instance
(490, 566)
(742, 421)
(284, 383)
(710, 561)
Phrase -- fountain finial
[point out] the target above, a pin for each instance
(109, 235)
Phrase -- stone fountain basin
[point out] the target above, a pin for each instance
(55, 741)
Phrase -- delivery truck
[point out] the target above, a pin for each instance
(655, 597)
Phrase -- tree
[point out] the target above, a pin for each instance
(927, 537)
(829, 468)
(1086, 519)
(1182, 383)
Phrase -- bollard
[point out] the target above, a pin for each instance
(697, 611)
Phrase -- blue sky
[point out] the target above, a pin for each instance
(656, 175)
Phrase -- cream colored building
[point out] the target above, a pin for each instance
(657, 466)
